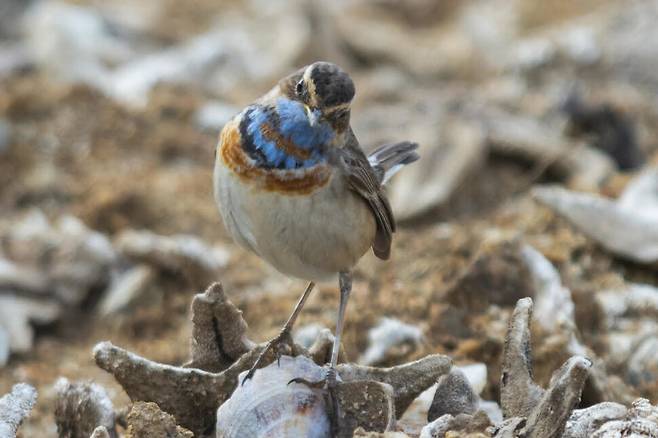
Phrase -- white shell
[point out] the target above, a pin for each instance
(266, 406)
(636, 213)
(554, 307)
(388, 335)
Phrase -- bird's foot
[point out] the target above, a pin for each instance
(281, 344)
(329, 381)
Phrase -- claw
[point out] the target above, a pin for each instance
(328, 382)
(275, 343)
(249, 375)
(314, 385)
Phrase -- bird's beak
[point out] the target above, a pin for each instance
(313, 116)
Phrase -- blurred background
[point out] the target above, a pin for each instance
(110, 113)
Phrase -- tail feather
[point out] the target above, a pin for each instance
(388, 159)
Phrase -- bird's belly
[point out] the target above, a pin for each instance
(310, 236)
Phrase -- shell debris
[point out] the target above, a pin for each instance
(635, 212)
(81, 407)
(267, 406)
(15, 407)
(389, 336)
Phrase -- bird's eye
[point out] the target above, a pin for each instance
(299, 87)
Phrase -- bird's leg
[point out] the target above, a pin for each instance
(283, 336)
(345, 282)
(330, 380)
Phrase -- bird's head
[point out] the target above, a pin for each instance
(326, 92)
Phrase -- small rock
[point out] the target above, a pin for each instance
(476, 375)
(146, 420)
(454, 396)
(364, 404)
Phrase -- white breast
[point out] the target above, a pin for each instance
(311, 236)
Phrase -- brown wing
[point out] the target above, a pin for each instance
(364, 181)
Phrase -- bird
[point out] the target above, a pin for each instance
(293, 186)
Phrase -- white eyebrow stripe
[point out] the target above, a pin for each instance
(310, 86)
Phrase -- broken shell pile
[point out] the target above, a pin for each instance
(45, 268)
(48, 270)
(186, 401)
(369, 397)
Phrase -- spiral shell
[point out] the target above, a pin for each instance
(266, 406)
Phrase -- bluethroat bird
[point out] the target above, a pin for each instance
(294, 187)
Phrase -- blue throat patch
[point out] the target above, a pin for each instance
(289, 120)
